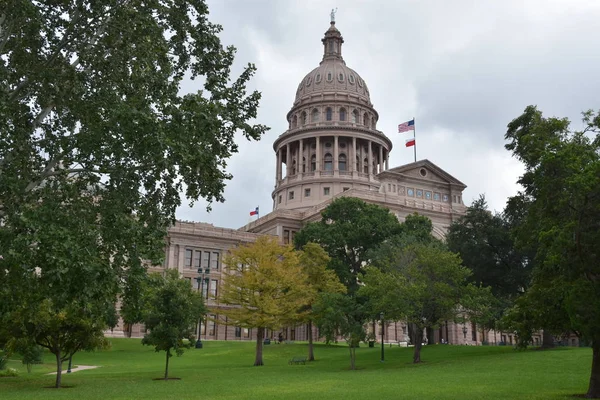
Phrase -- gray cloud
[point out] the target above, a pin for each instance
(464, 69)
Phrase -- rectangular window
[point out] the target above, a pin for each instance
(306, 192)
(206, 260)
(246, 332)
(213, 288)
(211, 325)
(326, 191)
(188, 257)
(279, 199)
(215, 261)
(204, 289)
(238, 331)
(203, 328)
(394, 188)
(346, 189)
(436, 196)
(291, 196)
(389, 187)
(197, 257)
(473, 331)
(286, 237)
(428, 195)
(445, 198)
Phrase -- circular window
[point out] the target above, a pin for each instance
(343, 145)
(423, 172)
(308, 80)
(351, 79)
(328, 144)
(318, 78)
(341, 77)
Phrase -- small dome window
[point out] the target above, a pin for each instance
(341, 77)
(329, 76)
(308, 80)
(351, 79)
(360, 82)
(318, 78)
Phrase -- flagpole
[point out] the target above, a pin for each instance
(415, 136)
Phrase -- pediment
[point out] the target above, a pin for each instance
(423, 170)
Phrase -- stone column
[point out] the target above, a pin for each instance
(353, 159)
(387, 160)
(301, 158)
(370, 157)
(278, 167)
(380, 158)
(288, 160)
(336, 153)
(318, 155)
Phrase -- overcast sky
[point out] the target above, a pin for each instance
(463, 69)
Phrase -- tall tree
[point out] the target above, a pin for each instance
(171, 311)
(348, 229)
(97, 142)
(267, 291)
(561, 186)
(485, 244)
(320, 280)
(422, 283)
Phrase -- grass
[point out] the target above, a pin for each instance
(223, 370)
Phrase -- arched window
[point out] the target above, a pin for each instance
(313, 163)
(366, 119)
(328, 161)
(342, 162)
(294, 167)
(342, 114)
(295, 122)
(355, 116)
(303, 118)
(315, 115)
(366, 165)
(303, 164)
(373, 123)
(357, 168)
(328, 114)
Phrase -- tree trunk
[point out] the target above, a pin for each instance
(311, 354)
(260, 332)
(167, 365)
(58, 370)
(352, 357)
(547, 340)
(594, 388)
(418, 335)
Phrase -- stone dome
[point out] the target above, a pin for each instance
(332, 74)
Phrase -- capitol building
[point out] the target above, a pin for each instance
(331, 148)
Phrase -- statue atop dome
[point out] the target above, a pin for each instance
(333, 15)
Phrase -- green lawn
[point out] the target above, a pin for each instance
(223, 370)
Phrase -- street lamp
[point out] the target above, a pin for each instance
(382, 329)
(203, 276)
(465, 332)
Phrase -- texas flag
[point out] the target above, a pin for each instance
(255, 212)
(410, 142)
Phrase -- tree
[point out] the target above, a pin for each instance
(422, 283)
(341, 315)
(171, 313)
(561, 187)
(320, 280)
(268, 289)
(97, 142)
(485, 244)
(349, 228)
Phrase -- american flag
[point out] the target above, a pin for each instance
(406, 126)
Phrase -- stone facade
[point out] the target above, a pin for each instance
(331, 149)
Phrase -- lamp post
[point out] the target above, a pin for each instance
(203, 276)
(465, 332)
(382, 329)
